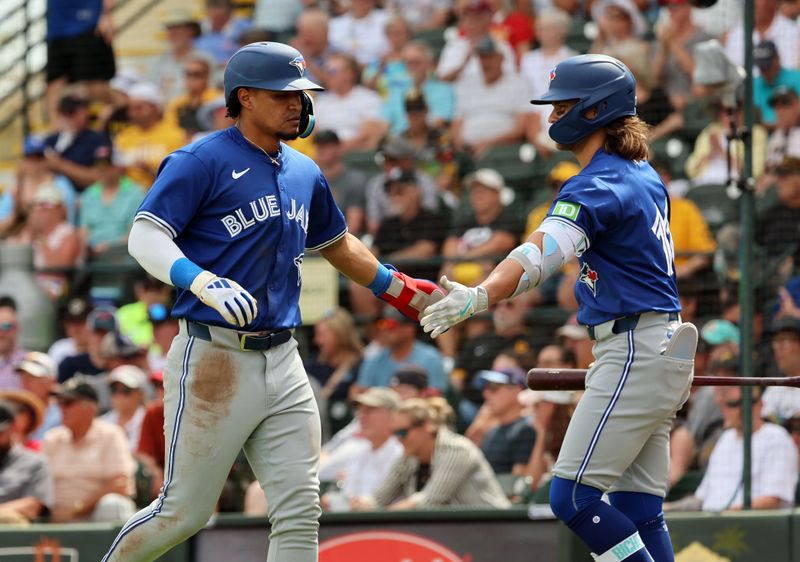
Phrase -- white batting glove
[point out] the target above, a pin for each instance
(237, 306)
(460, 303)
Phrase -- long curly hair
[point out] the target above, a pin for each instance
(627, 137)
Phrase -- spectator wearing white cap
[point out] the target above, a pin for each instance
(56, 243)
(113, 117)
(489, 230)
(127, 402)
(149, 138)
(369, 464)
(37, 372)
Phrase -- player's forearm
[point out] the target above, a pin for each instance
(502, 280)
(353, 259)
(143, 238)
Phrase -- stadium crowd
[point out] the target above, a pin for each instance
(441, 165)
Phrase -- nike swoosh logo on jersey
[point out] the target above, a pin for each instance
(236, 175)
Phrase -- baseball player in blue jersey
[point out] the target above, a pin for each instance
(614, 216)
(228, 221)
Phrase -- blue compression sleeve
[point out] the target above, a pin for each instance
(646, 512)
(382, 280)
(183, 272)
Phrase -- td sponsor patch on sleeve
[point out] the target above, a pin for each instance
(567, 210)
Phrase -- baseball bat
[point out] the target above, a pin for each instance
(573, 379)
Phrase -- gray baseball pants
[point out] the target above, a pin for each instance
(618, 438)
(218, 400)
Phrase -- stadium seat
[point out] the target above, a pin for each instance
(577, 37)
(713, 201)
(696, 117)
(518, 174)
(685, 486)
(516, 487)
(673, 151)
(363, 160)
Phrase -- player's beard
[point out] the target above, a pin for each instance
(288, 136)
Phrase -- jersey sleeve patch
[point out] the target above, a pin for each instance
(567, 209)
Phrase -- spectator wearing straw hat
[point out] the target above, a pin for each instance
(26, 485)
(29, 415)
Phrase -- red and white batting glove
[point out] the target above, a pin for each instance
(407, 294)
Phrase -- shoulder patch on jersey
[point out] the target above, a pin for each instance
(567, 210)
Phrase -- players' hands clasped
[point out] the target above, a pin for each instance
(236, 305)
(460, 303)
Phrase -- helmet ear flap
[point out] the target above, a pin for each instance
(306, 115)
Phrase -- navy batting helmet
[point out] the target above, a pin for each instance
(272, 66)
(596, 81)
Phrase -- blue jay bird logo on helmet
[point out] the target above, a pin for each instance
(552, 75)
(300, 64)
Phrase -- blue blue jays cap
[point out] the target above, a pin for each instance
(268, 66)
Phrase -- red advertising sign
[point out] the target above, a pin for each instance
(386, 546)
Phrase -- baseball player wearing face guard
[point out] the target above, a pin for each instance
(614, 216)
(228, 222)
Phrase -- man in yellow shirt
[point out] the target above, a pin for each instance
(184, 110)
(149, 138)
(693, 241)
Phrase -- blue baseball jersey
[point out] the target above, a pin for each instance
(235, 213)
(623, 209)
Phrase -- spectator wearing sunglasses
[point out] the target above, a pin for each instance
(439, 467)
(379, 449)
(774, 461)
(126, 383)
(91, 464)
(10, 351)
(26, 486)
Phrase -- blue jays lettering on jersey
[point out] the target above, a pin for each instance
(629, 266)
(233, 212)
